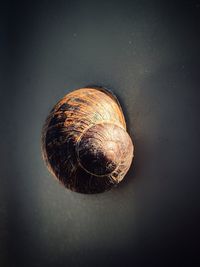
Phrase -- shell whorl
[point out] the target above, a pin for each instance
(85, 143)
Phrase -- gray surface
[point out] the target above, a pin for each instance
(148, 54)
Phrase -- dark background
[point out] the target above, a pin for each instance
(148, 53)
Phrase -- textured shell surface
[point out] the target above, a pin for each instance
(85, 143)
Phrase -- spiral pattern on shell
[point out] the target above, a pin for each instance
(85, 143)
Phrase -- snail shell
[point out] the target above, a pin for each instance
(85, 143)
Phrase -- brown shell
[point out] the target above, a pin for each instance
(85, 143)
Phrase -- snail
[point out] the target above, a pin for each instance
(85, 143)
